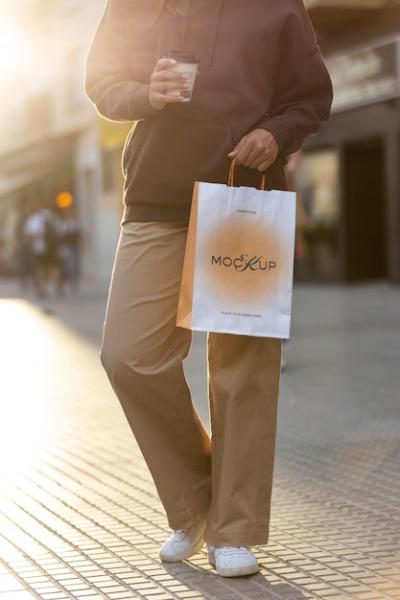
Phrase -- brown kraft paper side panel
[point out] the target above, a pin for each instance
(185, 304)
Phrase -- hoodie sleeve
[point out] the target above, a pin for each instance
(303, 90)
(108, 77)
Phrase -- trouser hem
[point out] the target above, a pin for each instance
(188, 517)
(257, 538)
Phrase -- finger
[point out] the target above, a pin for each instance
(241, 151)
(234, 152)
(257, 163)
(256, 156)
(237, 148)
(263, 158)
(164, 86)
(264, 166)
(244, 153)
(167, 84)
(168, 99)
(165, 63)
(166, 75)
(270, 155)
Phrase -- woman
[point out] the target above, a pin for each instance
(261, 90)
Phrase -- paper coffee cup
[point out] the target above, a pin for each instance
(186, 63)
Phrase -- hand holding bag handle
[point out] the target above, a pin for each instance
(232, 174)
(263, 208)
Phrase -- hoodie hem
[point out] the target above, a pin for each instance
(155, 212)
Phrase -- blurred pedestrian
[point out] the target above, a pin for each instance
(261, 90)
(22, 255)
(41, 241)
(69, 248)
(3, 258)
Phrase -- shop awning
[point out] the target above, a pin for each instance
(32, 163)
(12, 184)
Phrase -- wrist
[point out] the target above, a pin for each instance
(149, 100)
(153, 104)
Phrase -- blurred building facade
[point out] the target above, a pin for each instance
(348, 175)
(51, 135)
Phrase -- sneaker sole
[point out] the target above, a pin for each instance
(238, 572)
(251, 570)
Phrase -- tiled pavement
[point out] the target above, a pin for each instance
(79, 516)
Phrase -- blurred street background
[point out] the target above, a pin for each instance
(79, 516)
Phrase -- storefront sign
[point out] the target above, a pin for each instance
(367, 76)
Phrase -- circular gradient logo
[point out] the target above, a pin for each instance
(243, 259)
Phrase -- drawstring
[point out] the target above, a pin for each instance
(212, 41)
(185, 22)
(213, 37)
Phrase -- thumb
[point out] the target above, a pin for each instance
(233, 153)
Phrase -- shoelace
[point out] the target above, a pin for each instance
(180, 533)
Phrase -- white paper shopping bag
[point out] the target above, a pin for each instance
(238, 267)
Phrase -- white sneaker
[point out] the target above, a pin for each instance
(183, 543)
(232, 561)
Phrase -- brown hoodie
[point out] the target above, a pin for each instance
(260, 67)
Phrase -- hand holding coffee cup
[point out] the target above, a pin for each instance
(163, 80)
(188, 65)
(172, 79)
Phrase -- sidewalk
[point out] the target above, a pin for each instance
(79, 514)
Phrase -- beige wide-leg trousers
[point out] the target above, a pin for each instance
(228, 479)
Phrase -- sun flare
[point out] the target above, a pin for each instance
(15, 50)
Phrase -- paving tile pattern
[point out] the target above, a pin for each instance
(79, 514)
